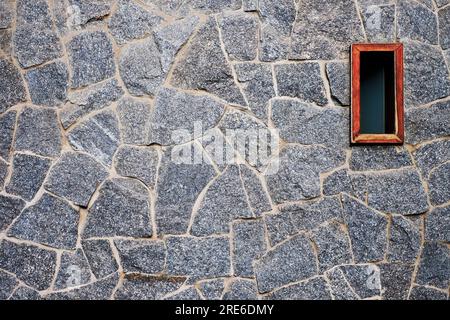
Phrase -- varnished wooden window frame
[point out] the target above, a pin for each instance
(357, 136)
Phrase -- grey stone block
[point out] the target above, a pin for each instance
(100, 257)
(431, 155)
(314, 289)
(404, 240)
(339, 286)
(25, 293)
(257, 197)
(136, 287)
(212, 289)
(434, 265)
(12, 88)
(437, 225)
(142, 256)
(379, 22)
(73, 270)
(134, 117)
(426, 293)
(396, 280)
(7, 282)
(7, 123)
(439, 184)
(241, 290)
(365, 280)
(379, 158)
(416, 22)
(10, 208)
(279, 227)
(339, 77)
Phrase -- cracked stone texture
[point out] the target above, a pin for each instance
(95, 97)
(38, 131)
(239, 33)
(205, 67)
(91, 58)
(7, 123)
(426, 76)
(437, 225)
(100, 257)
(187, 111)
(75, 177)
(72, 264)
(12, 88)
(140, 67)
(51, 221)
(298, 174)
(137, 162)
(48, 84)
(249, 244)
(35, 41)
(417, 22)
(339, 77)
(257, 84)
(131, 21)
(325, 30)
(91, 91)
(434, 265)
(121, 209)
(314, 289)
(438, 184)
(437, 123)
(10, 208)
(290, 261)
(307, 124)
(399, 192)
(200, 257)
(310, 89)
(178, 187)
(99, 136)
(367, 230)
(144, 256)
(28, 174)
(224, 201)
(32, 265)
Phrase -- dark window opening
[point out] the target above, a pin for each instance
(377, 78)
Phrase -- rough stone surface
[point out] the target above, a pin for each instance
(416, 22)
(95, 97)
(396, 280)
(4, 167)
(426, 75)
(437, 225)
(12, 89)
(73, 270)
(48, 84)
(99, 136)
(10, 208)
(325, 30)
(397, 192)
(205, 67)
(339, 286)
(100, 257)
(7, 122)
(439, 183)
(51, 221)
(314, 289)
(92, 10)
(146, 256)
(434, 266)
(344, 181)
(365, 280)
(257, 197)
(188, 111)
(379, 158)
(7, 14)
(224, 201)
(75, 177)
(239, 33)
(148, 288)
(241, 290)
(379, 22)
(190, 293)
(134, 116)
(38, 131)
(7, 283)
(249, 244)
(32, 265)
(91, 58)
(404, 241)
(339, 77)
(444, 28)
(131, 21)
(288, 262)
(178, 187)
(28, 174)
(430, 155)
(257, 83)
(122, 209)
(367, 230)
(310, 89)
(425, 293)
(201, 257)
(279, 227)
(140, 67)
(307, 124)
(137, 162)
(298, 174)
(25, 293)
(333, 246)
(35, 41)
(212, 289)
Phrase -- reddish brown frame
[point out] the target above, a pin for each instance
(357, 136)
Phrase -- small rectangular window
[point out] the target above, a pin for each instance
(377, 94)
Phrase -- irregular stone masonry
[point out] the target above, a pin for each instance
(93, 204)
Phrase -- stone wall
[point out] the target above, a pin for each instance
(94, 206)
